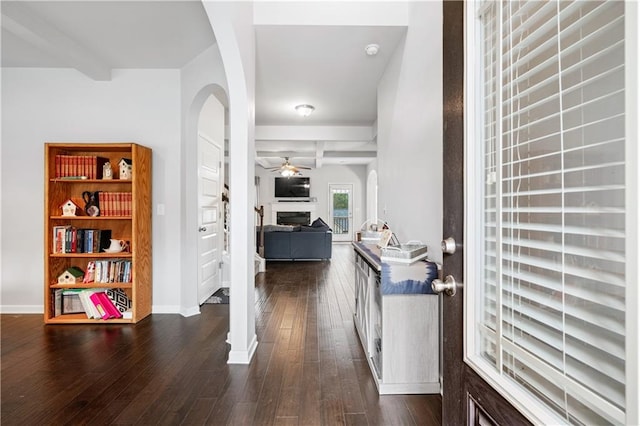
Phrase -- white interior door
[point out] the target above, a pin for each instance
(210, 224)
(341, 211)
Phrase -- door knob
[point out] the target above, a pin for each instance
(448, 246)
(202, 228)
(449, 286)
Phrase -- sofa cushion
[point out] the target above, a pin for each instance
(319, 223)
(281, 228)
(305, 228)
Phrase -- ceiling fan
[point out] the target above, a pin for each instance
(287, 169)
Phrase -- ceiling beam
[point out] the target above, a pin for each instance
(263, 162)
(314, 133)
(282, 154)
(350, 154)
(21, 20)
(325, 154)
(319, 153)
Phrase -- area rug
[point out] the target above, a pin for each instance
(219, 297)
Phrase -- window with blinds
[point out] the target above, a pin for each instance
(550, 116)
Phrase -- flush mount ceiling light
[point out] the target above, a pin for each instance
(372, 49)
(305, 110)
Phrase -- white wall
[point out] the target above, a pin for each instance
(410, 132)
(320, 180)
(40, 105)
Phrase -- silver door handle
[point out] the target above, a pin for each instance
(202, 229)
(448, 246)
(449, 286)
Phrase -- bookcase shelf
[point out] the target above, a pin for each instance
(82, 319)
(101, 255)
(134, 228)
(85, 181)
(92, 285)
(81, 218)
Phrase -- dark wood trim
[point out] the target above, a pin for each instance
(460, 382)
(453, 401)
(498, 408)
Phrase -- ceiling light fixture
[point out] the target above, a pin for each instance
(305, 110)
(372, 49)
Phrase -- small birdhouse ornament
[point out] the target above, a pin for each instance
(69, 208)
(107, 172)
(126, 169)
(73, 275)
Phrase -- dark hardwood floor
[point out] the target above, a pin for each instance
(309, 368)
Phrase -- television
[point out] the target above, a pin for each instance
(292, 187)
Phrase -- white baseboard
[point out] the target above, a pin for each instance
(189, 312)
(21, 309)
(243, 357)
(261, 265)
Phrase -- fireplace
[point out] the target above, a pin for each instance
(293, 218)
(303, 212)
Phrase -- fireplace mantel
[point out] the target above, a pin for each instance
(292, 206)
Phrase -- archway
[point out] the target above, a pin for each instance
(189, 304)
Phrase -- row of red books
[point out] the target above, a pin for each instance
(81, 166)
(115, 203)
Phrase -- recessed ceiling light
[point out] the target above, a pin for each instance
(372, 49)
(305, 110)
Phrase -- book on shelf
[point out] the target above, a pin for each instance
(89, 274)
(95, 303)
(112, 271)
(108, 304)
(79, 166)
(119, 299)
(69, 239)
(115, 203)
(98, 303)
(71, 303)
(57, 302)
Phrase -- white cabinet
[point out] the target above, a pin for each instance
(399, 332)
(363, 292)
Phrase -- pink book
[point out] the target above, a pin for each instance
(109, 306)
(99, 304)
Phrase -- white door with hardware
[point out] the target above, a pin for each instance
(341, 211)
(209, 216)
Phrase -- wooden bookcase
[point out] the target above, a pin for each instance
(134, 228)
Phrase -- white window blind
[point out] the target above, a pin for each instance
(551, 105)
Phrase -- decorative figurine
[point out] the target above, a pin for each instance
(126, 168)
(73, 275)
(107, 172)
(69, 208)
(91, 200)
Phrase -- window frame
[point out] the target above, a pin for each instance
(530, 407)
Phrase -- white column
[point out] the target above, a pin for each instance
(232, 24)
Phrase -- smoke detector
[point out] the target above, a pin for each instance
(372, 49)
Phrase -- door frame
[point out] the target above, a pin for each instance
(219, 224)
(465, 395)
(349, 186)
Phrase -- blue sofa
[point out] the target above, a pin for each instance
(298, 242)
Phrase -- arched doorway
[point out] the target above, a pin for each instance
(189, 302)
